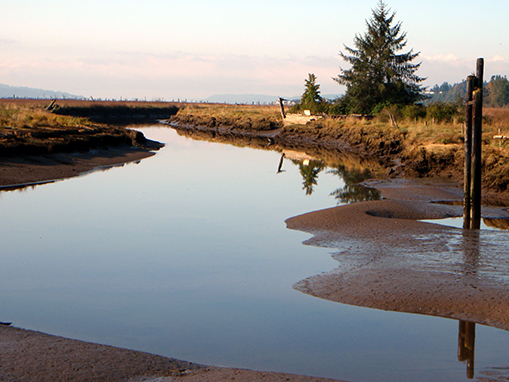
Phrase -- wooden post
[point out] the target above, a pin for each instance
(473, 149)
(468, 153)
(480, 73)
(477, 148)
(51, 106)
(282, 107)
(476, 161)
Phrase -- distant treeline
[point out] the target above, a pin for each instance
(496, 92)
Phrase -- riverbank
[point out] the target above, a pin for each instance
(33, 356)
(38, 146)
(402, 149)
(45, 155)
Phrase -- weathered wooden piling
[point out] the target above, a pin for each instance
(468, 152)
(282, 106)
(473, 149)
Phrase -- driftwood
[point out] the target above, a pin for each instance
(52, 106)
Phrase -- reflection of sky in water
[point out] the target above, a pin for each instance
(455, 222)
(187, 255)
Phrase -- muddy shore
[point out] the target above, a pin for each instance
(390, 260)
(30, 156)
(27, 355)
(388, 151)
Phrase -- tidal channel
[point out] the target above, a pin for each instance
(186, 254)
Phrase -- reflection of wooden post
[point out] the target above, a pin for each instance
(466, 346)
(280, 163)
(282, 107)
(468, 153)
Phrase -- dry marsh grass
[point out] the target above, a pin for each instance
(23, 116)
(223, 110)
(246, 117)
(27, 128)
(409, 132)
(21, 113)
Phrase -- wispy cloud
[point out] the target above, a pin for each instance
(179, 74)
(450, 68)
(440, 58)
(196, 76)
(7, 42)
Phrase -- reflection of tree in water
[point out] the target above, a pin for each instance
(353, 192)
(309, 169)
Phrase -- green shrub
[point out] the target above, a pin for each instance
(412, 112)
(441, 112)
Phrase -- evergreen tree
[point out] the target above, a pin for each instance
(378, 74)
(497, 91)
(311, 99)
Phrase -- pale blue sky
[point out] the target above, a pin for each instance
(195, 48)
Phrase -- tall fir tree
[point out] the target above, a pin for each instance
(379, 75)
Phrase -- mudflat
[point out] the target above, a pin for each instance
(389, 259)
(27, 355)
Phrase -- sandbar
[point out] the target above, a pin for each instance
(389, 259)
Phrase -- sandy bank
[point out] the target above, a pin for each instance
(389, 260)
(33, 356)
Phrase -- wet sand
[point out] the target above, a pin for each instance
(389, 260)
(33, 356)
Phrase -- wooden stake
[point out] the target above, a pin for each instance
(476, 161)
(480, 74)
(477, 147)
(282, 107)
(468, 153)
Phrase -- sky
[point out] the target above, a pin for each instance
(192, 49)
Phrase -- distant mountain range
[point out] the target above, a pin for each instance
(255, 98)
(7, 91)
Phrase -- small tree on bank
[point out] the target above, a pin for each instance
(311, 98)
(379, 76)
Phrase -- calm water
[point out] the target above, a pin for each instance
(186, 254)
